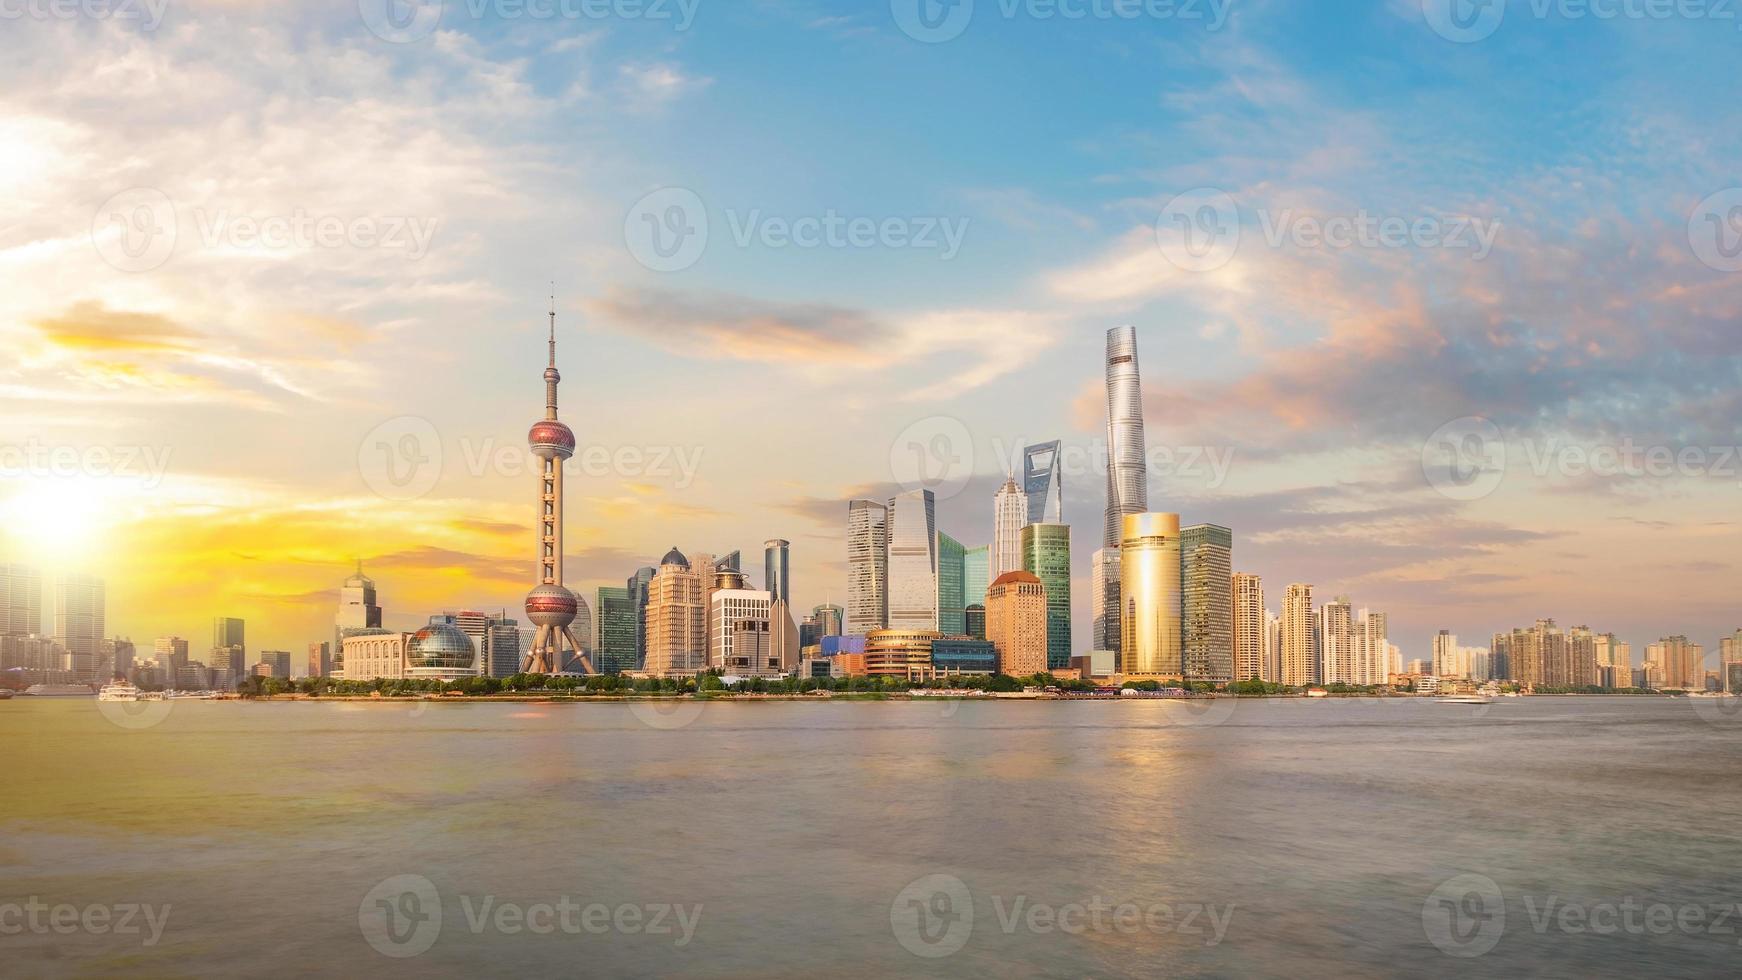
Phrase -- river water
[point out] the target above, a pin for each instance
(1572, 837)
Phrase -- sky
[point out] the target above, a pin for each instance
(1439, 307)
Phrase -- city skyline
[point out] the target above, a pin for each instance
(275, 410)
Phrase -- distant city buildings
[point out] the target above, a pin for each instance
(1248, 626)
(20, 600)
(676, 620)
(1298, 640)
(79, 622)
(320, 659)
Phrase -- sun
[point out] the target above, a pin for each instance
(56, 521)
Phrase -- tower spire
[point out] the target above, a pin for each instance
(551, 375)
(553, 324)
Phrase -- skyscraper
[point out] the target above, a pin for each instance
(1445, 653)
(1043, 484)
(1207, 603)
(1297, 633)
(1009, 514)
(829, 619)
(1149, 569)
(776, 577)
(867, 566)
(550, 606)
(78, 622)
(614, 650)
(1016, 623)
(1337, 642)
(952, 586)
(229, 657)
(738, 632)
(976, 574)
(358, 609)
(638, 586)
(1127, 458)
(1677, 663)
(676, 620)
(20, 600)
(1104, 578)
(320, 659)
(1046, 553)
(1372, 648)
(913, 561)
(1249, 626)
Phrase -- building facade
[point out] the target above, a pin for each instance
(614, 630)
(79, 622)
(899, 653)
(1249, 625)
(1207, 603)
(1009, 514)
(913, 562)
(867, 557)
(1046, 553)
(1016, 623)
(677, 629)
(1298, 637)
(1149, 620)
(20, 600)
(1043, 483)
(952, 586)
(1127, 457)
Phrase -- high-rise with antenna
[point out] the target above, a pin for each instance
(550, 606)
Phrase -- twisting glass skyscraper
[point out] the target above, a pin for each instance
(1127, 484)
(1127, 476)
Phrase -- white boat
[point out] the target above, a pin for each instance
(120, 691)
(58, 691)
(1463, 699)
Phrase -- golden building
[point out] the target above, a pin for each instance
(677, 620)
(901, 653)
(1149, 589)
(1016, 623)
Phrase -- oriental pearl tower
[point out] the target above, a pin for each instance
(549, 605)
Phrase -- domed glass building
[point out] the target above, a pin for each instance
(440, 651)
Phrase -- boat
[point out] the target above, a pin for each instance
(5, 694)
(1463, 699)
(119, 691)
(58, 691)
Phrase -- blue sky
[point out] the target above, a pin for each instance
(1590, 148)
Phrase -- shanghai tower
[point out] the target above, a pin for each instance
(1127, 482)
